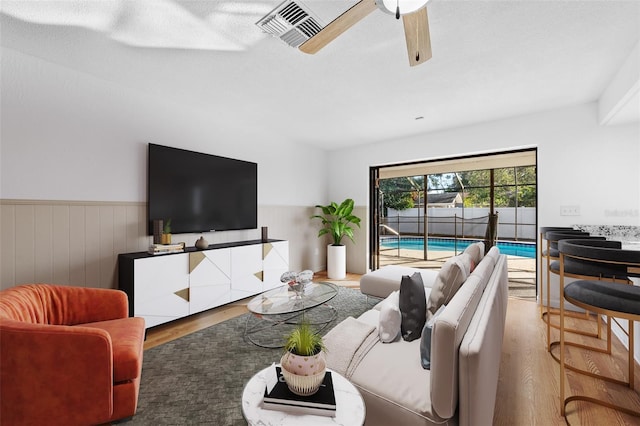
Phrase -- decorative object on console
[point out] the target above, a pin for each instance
(166, 232)
(303, 363)
(166, 248)
(336, 220)
(297, 280)
(157, 231)
(413, 306)
(202, 244)
(265, 234)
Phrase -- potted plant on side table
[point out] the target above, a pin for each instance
(303, 363)
(336, 221)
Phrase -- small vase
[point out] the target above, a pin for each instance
(166, 238)
(202, 244)
(303, 374)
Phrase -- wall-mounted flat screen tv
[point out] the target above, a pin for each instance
(200, 192)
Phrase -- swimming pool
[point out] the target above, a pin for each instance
(449, 244)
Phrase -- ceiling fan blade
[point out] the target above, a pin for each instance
(339, 25)
(416, 32)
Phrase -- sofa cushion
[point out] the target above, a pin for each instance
(371, 317)
(412, 306)
(480, 352)
(395, 297)
(127, 339)
(383, 281)
(451, 276)
(448, 332)
(406, 384)
(494, 252)
(425, 340)
(484, 270)
(476, 251)
(390, 322)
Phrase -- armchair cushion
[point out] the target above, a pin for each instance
(127, 335)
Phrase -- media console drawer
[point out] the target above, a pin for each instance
(167, 287)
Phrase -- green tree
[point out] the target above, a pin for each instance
(477, 184)
(398, 193)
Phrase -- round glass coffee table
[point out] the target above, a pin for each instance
(280, 307)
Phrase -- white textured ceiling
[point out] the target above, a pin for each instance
(491, 59)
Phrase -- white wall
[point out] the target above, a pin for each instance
(579, 163)
(69, 136)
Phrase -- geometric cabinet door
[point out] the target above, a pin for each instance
(161, 288)
(275, 260)
(246, 271)
(209, 279)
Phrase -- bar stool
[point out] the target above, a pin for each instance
(552, 258)
(543, 254)
(583, 269)
(613, 299)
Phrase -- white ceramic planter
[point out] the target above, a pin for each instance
(303, 374)
(336, 262)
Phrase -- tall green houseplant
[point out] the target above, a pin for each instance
(336, 220)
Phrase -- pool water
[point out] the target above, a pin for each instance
(448, 244)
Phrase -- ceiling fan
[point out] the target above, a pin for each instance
(414, 18)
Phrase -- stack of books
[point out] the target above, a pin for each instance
(166, 248)
(321, 403)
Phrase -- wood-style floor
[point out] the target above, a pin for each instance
(529, 382)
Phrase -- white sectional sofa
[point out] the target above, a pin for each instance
(466, 344)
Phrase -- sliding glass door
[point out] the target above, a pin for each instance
(424, 213)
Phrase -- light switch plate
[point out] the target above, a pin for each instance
(569, 210)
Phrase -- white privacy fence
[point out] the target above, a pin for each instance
(464, 222)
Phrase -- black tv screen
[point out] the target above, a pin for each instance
(200, 192)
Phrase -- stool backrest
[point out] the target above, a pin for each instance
(606, 254)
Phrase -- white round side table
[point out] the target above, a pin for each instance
(350, 409)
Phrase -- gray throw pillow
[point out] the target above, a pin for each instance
(413, 306)
(425, 341)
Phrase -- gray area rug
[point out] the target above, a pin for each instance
(198, 379)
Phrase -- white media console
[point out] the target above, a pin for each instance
(167, 287)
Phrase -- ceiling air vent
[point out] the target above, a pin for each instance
(291, 23)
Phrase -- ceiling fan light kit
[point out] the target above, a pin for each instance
(404, 6)
(296, 25)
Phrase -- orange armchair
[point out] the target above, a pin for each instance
(68, 356)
